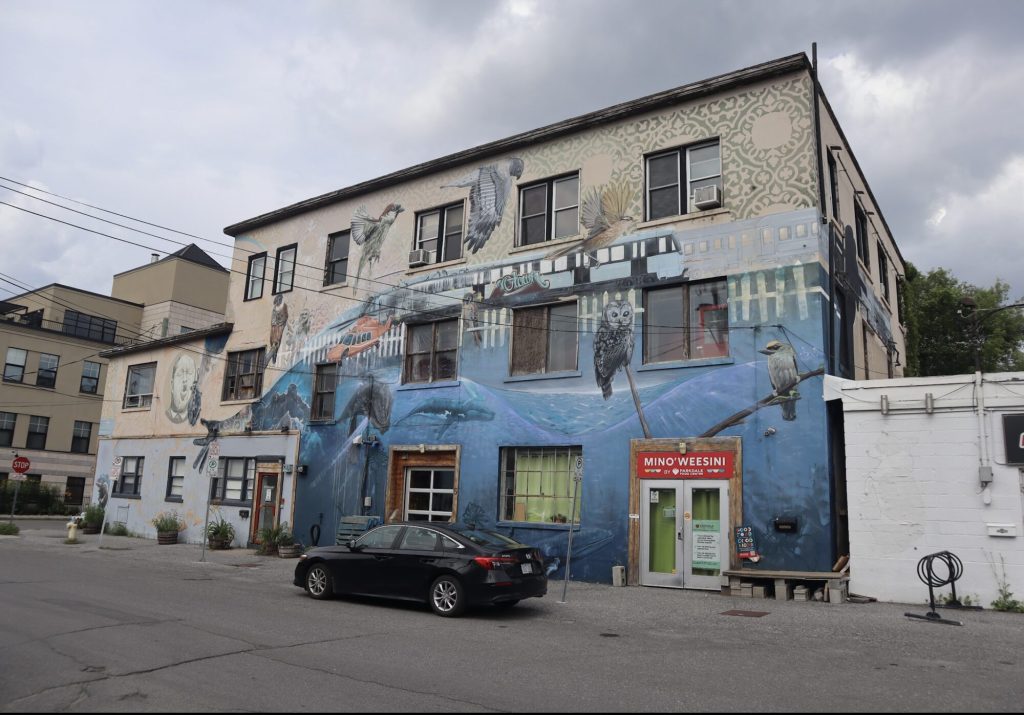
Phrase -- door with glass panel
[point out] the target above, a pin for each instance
(684, 532)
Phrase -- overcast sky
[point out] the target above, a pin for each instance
(197, 115)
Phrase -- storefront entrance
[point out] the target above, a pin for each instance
(684, 533)
(266, 504)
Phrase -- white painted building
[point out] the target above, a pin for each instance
(929, 468)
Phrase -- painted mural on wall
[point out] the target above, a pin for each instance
(489, 189)
(483, 411)
(182, 384)
(370, 233)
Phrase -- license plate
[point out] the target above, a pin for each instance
(527, 568)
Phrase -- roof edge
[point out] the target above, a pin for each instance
(712, 85)
(218, 329)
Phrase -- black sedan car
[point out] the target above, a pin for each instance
(450, 566)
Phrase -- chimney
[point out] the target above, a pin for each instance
(154, 257)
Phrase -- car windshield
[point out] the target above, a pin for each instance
(483, 537)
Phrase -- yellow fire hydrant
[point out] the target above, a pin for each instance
(72, 530)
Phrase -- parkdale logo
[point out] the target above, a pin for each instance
(695, 465)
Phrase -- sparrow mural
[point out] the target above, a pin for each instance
(605, 215)
(783, 372)
(613, 343)
(489, 187)
(370, 233)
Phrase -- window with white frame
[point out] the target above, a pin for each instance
(37, 430)
(544, 339)
(243, 375)
(549, 209)
(863, 249)
(254, 276)
(81, 435)
(674, 176)
(46, 375)
(130, 481)
(7, 422)
(336, 269)
(439, 233)
(284, 268)
(431, 352)
(90, 378)
(686, 322)
(138, 387)
(883, 271)
(429, 494)
(175, 479)
(234, 479)
(537, 484)
(14, 368)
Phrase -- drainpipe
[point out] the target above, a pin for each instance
(984, 468)
(815, 108)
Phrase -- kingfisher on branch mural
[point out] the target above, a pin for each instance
(784, 374)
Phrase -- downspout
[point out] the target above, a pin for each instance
(984, 468)
(815, 108)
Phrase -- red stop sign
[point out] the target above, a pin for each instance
(21, 464)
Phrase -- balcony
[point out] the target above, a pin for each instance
(92, 332)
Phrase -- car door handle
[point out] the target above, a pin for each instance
(426, 560)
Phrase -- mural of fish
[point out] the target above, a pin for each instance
(451, 411)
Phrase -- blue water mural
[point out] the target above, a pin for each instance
(781, 422)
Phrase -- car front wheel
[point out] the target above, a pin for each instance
(447, 597)
(318, 583)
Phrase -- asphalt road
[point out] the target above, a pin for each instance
(139, 627)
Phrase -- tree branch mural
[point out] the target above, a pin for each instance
(767, 401)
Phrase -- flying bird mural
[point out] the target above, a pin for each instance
(606, 216)
(489, 187)
(370, 233)
(784, 374)
(613, 343)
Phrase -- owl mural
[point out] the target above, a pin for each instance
(613, 343)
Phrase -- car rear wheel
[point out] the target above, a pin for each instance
(447, 597)
(318, 583)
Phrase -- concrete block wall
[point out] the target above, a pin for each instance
(913, 489)
(177, 315)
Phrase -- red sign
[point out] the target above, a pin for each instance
(694, 465)
(21, 464)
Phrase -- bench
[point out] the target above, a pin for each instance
(835, 582)
(352, 527)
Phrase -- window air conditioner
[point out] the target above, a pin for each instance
(707, 197)
(419, 257)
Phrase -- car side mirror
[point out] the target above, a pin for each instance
(353, 546)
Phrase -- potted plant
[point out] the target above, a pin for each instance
(268, 537)
(220, 534)
(92, 519)
(287, 546)
(167, 524)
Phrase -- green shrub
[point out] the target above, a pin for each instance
(221, 529)
(168, 521)
(8, 529)
(117, 529)
(285, 537)
(93, 515)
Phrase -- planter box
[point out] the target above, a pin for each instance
(90, 528)
(167, 537)
(289, 552)
(216, 544)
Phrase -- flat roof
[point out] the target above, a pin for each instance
(36, 291)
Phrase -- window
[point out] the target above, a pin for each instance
(686, 322)
(90, 377)
(380, 538)
(243, 376)
(416, 538)
(254, 276)
(883, 271)
(672, 177)
(234, 479)
(431, 353)
(429, 494)
(82, 325)
(537, 484)
(175, 479)
(138, 388)
(323, 391)
(7, 422)
(544, 339)
(284, 268)
(439, 233)
(80, 437)
(863, 249)
(130, 483)
(37, 429)
(46, 375)
(14, 368)
(337, 257)
(549, 210)
(833, 173)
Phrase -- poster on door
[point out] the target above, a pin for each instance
(707, 539)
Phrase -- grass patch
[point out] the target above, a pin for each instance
(9, 529)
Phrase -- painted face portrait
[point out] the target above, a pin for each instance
(183, 377)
